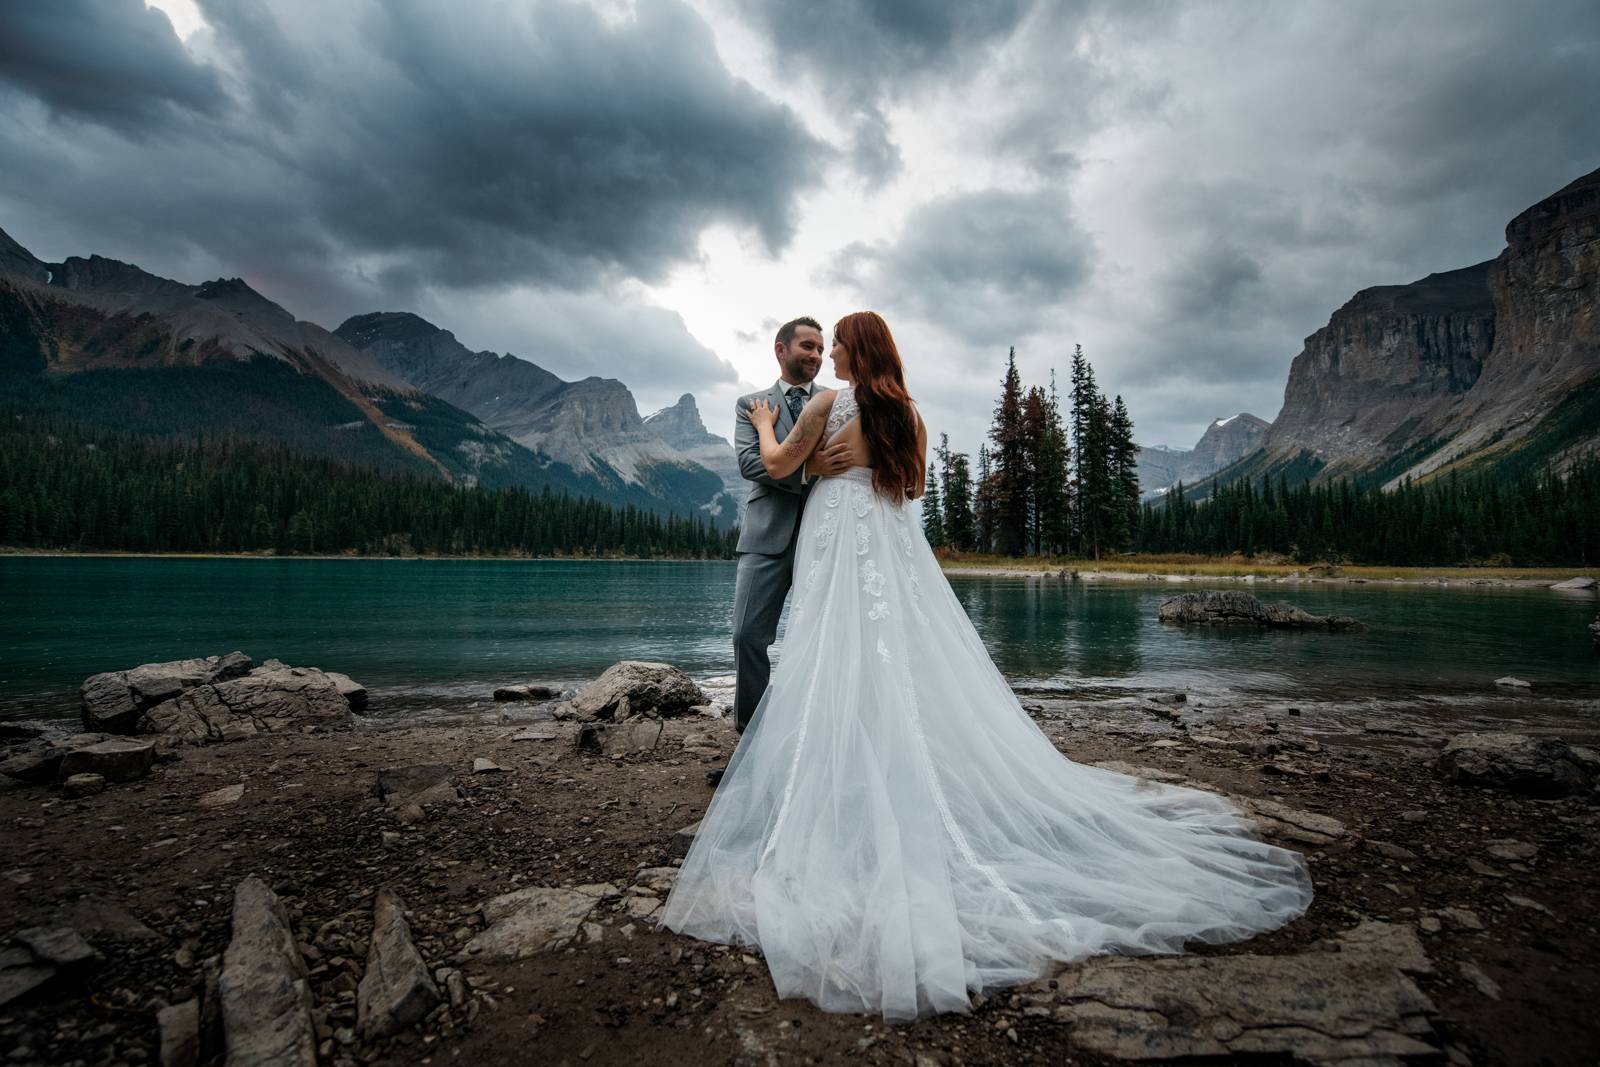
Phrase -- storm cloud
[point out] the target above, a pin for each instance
(397, 143)
(632, 189)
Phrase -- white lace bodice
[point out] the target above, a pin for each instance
(844, 409)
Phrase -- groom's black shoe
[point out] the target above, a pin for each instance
(715, 777)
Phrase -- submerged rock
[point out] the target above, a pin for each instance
(1227, 607)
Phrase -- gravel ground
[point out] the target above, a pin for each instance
(1520, 990)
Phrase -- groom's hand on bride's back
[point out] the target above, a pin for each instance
(826, 462)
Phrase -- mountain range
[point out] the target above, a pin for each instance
(1491, 368)
(104, 342)
(1223, 442)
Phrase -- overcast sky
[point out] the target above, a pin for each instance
(644, 190)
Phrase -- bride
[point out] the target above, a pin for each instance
(894, 832)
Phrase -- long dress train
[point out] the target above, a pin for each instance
(894, 831)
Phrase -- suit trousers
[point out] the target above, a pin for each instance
(761, 584)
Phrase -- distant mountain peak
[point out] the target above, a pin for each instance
(681, 426)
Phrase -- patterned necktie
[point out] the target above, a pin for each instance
(797, 401)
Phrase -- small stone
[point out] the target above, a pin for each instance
(221, 798)
(1485, 985)
(1462, 917)
(179, 1026)
(84, 785)
(1430, 924)
(409, 815)
(1510, 850)
(486, 766)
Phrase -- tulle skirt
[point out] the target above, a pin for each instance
(894, 832)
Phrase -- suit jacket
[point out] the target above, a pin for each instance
(773, 510)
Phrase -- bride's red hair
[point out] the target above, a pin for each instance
(888, 421)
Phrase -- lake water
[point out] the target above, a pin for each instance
(415, 631)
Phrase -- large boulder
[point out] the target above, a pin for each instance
(1227, 607)
(270, 698)
(634, 688)
(1534, 766)
(114, 701)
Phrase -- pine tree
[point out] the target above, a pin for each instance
(1010, 466)
(983, 502)
(960, 525)
(1080, 398)
(933, 513)
(1124, 477)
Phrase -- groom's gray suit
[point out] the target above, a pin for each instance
(765, 553)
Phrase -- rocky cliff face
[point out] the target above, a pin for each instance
(591, 426)
(1223, 442)
(681, 427)
(1546, 356)
(1386, 367)
(1491, 367)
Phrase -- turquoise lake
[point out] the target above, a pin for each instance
(416, 631)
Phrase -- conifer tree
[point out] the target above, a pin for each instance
(983, 501)
(933, 513)
(1009, 476)
(1124, 477)
(960, 525)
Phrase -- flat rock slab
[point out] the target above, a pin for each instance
(221, 798)
(411, 780)
(683, 839)
(94, 916)
(544, 732)
(1274, 821)
(534, 920)
(266, 997)
(620, 739)
(1534, 766)
(1349, 1002)
(396, 991)
(115, 760)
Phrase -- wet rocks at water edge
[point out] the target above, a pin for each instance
(218, 698)
(1533, 766)
(633, 689)
(1226, 607)
(529, 693)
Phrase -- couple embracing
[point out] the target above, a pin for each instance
(893, 832)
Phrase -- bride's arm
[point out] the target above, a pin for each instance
(782, 460)
(922, 450)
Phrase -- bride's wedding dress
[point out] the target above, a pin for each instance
(894, 831)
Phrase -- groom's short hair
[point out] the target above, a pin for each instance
(787, 330)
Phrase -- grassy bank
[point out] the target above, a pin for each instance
(1182, 565)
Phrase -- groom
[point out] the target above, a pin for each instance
(772, 516)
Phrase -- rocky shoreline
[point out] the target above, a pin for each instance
(485, 892)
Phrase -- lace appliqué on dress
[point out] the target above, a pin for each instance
(863, 539)
(825, 532)
(862, 500)
(872, 579)
(844, 409)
